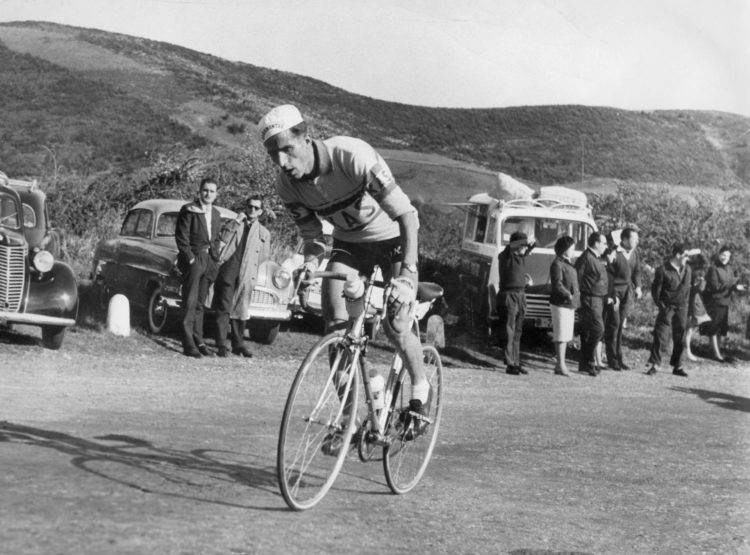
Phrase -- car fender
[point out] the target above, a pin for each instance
(55, 294)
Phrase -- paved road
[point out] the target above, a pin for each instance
(121, 445)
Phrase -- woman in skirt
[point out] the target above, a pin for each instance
(564, 300)
(721, 281)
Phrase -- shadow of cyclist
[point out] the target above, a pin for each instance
(157, 470)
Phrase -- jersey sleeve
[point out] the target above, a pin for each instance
(383, 188)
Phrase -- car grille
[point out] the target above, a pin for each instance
(12, 269)
(262, 297)
(537, 306)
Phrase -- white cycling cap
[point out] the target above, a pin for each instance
(277, 120)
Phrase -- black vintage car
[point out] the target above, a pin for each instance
(35, 287)
(141, 263)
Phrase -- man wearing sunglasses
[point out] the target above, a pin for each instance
(246, 244)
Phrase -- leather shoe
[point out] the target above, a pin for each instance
(222, 352)
(624, 366)
(678, 371)
(202, 349)
(242, 351)
(590, 370)
(651, 371)
(194, 353)
(616, 366)
(512, 370)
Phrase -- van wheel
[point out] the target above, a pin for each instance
(52, 337)
(157, 311)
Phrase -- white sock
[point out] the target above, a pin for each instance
(420, 391)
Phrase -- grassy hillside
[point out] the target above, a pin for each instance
(105, 120)
(221, 100)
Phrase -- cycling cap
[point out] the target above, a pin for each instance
(277, 120)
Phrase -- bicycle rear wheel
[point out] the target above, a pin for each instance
(405, 460)
(315, 429)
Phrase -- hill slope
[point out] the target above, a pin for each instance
(79, 91)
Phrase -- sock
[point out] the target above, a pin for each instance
(421, 391)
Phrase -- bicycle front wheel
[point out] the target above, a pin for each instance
(316, 428)
(405, 458)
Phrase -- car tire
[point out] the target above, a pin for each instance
(263, 331)
(157, 311)
(52, 337)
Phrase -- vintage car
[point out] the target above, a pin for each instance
(306, 300)
(35, 288)
(141, 263)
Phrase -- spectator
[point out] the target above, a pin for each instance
(721, 281)
(564, 299)
(511, 300)
(246, 245)
(197, 236)
(596, 293)
(697, 314)
(625, 269)
(671, 292)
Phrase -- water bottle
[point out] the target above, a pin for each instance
(354, 294)
(377, 386)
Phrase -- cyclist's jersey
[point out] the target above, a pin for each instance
(354, 190)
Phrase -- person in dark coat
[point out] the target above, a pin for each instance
(511, 299)
(596, 293)
(697, 313)
(625, 268)
(564, 299)
(246, 245)
(197, 233)
(671, 292)
(721, 282)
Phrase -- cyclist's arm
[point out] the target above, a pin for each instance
(408, 225)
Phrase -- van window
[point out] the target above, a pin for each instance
(479, 227)
(546, 231)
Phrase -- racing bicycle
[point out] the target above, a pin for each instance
(322, 417)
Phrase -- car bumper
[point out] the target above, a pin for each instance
(34, 319)
(265, 313)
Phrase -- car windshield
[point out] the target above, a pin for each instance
(166, 225)
(10, 216)
(546, 231)
(137, 223)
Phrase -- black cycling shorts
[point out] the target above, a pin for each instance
(364, 256)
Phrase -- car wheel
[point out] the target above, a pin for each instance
(263, 331)
(156, 311)
(52, 336)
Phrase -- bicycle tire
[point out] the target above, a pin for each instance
(314, 423)
(405, 460)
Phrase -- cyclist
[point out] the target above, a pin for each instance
(346, 182)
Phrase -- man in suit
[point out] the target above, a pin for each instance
(197, 235)
(246, 244)
(625, 270)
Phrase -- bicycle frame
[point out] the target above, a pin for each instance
(357, 341)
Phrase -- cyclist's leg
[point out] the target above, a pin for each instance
(398, 329)
(332, 301)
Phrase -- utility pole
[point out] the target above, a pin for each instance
(582, 157)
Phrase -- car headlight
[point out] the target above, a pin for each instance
(43, 261)
(282, 278)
